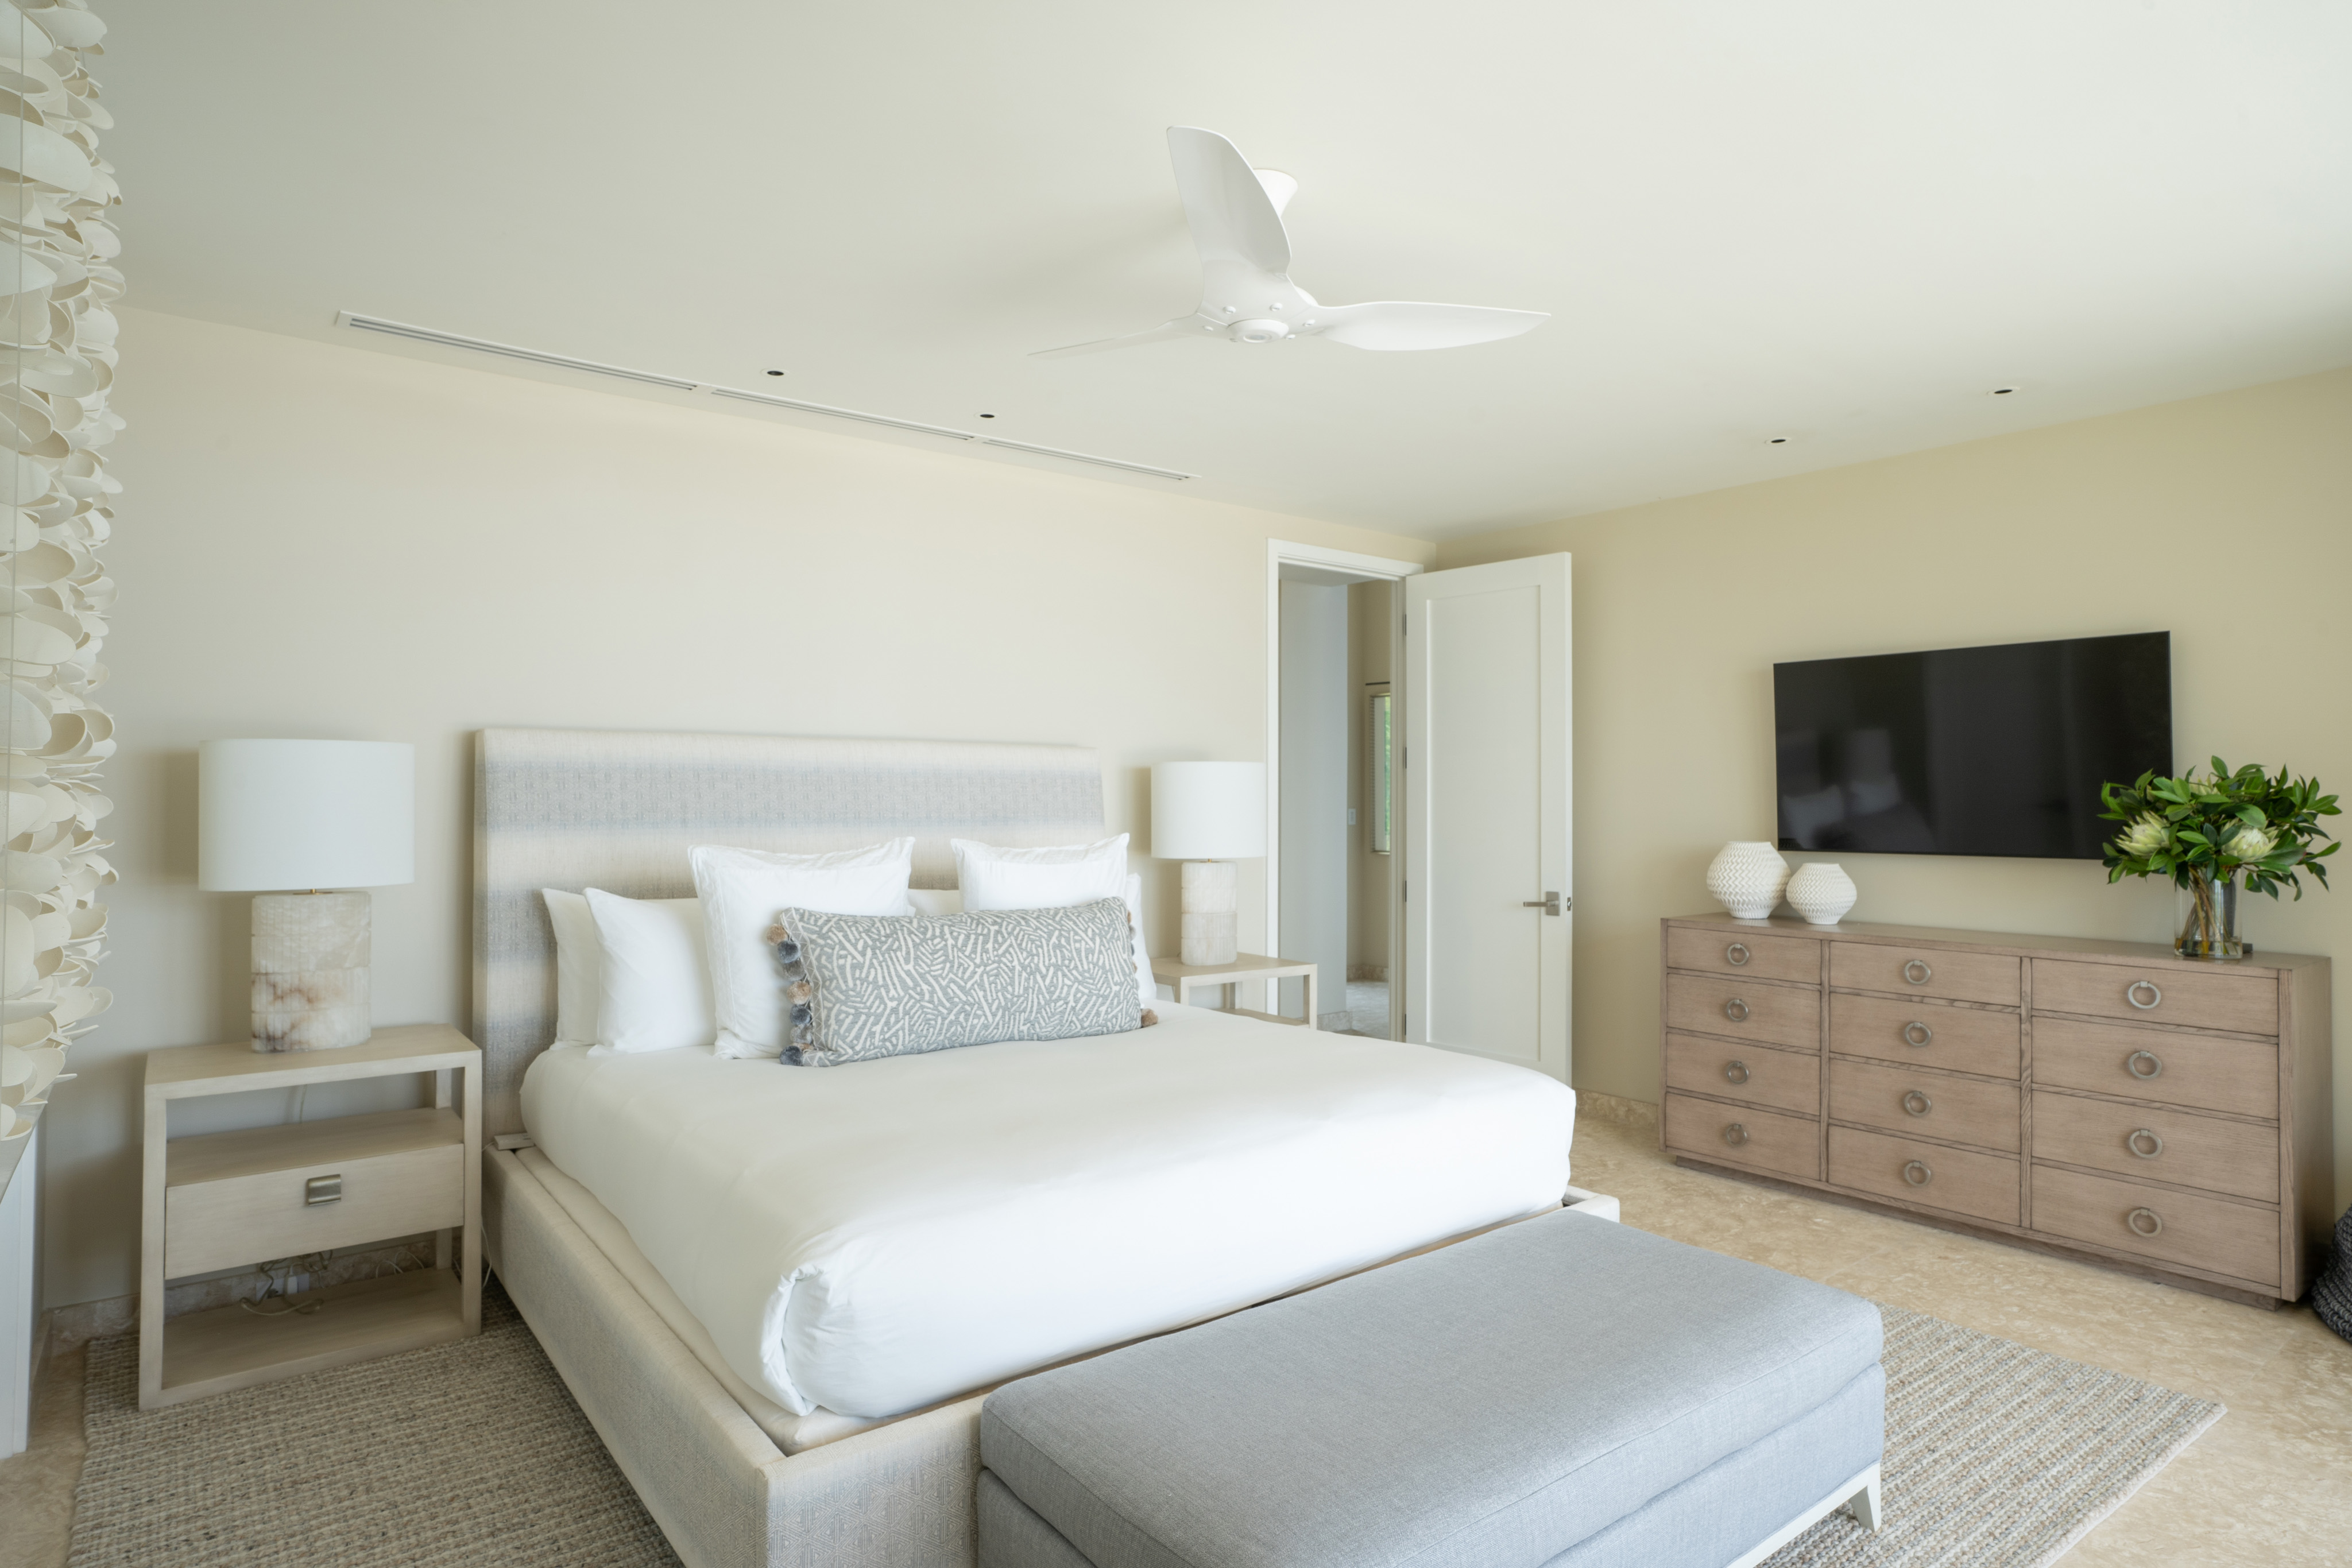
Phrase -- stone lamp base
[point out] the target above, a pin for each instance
(1211, 901)
(310, 956)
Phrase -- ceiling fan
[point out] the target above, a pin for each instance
(1246, 295)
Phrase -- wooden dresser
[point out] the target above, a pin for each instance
(2164, 1116)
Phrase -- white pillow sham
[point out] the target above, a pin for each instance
(989, 877)
(653, 987)
(579, 970)
(743, 891)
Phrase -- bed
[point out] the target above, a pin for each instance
(777, 1294)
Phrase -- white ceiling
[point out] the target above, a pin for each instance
(1838, 221)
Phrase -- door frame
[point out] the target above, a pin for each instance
(1280, 553)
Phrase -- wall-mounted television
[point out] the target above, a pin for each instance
(1970, 751)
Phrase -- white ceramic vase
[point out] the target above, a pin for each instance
(1821, 892)
(1748, 879)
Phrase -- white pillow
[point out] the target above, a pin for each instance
(743, 893)
(992, 878)
(578, 967)
(653, 988)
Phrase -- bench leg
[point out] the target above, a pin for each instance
(1863, 1504)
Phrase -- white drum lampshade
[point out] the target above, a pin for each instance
(1208, 815)
(275, 816)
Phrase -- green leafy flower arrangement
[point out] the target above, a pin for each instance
(2195, 829)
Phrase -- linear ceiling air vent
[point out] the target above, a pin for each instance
(861, 418)
(509, 351)
(594, 367)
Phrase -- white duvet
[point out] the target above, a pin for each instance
(874, 1237)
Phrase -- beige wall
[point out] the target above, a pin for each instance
(2226, 520)
(333, 542)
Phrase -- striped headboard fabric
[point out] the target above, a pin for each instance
(576, 809)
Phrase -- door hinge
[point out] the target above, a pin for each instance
(1404, 892)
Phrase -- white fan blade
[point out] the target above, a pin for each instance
(1183, 327)
(1404, 324)
(1233, 217)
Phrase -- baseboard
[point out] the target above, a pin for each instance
(1368, 972)
(1613, 1108)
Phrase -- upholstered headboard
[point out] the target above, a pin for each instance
(576, 809)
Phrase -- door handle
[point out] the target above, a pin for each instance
(1549, 903)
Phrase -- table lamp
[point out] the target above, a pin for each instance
(1209, 815)
(273, 815)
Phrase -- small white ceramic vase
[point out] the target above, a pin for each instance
(1748, 879)
(1821, 892)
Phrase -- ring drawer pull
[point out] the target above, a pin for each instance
(2132, 991)
(2145, 1136)
(1917, 1174)
(1916, 1104)
(1736, 1009)
(1923, 973)
(1918, 1033)
(1737, 954)
(1736, 1072)
(1735, 1134)
(2144, 1065)
(2144, 1222)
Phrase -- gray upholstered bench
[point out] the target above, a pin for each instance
(1563, 1393)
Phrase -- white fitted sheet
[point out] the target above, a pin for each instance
(874, 1237)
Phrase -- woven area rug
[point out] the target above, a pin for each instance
(472, 1454)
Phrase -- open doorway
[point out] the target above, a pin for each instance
(1337, 840)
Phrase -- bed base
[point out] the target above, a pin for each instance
(896, 1496)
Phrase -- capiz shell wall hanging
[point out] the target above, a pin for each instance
(56, 350)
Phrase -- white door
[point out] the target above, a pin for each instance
(1486, 777)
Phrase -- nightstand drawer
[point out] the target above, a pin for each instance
(244, 1197)
(1709, 1004)
(1759, 1075)
(1797, 959)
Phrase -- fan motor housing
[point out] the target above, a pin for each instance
(1259, 330)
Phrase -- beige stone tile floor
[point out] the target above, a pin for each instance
(2270, 1483)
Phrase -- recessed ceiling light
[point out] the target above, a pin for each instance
(775, 373)
(1778, 441)
(2002, 391)
(988, 416)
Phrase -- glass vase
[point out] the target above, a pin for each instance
(2211, 929)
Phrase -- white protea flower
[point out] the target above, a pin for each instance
(2252, 843)
(2147, 836)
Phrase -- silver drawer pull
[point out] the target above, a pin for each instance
(1918, 972)
(1735, 1134)
(2132, 991)
(1737, 954)
(2144, 1065)
(1916, 1104)
(1917, 1174)
(1736, 1071)
(2147, 1136)
(2144, 1222)
(1918, 1033)
(323, 1189)
(1736, 1009)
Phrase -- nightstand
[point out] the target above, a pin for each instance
(213, 1202)
(1182, 978)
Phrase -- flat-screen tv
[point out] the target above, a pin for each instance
(1970, 751)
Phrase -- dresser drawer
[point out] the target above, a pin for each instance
(1955, 976)
(1737, 952)
(1783, 1015)
(254, 1216)
(1757, 1074)
(1964, 1110)
(2156, 1223)
(2240, 1159)
(1744, 1135)
(1957, 1181)
(2200, 1073)
(1964, 1039)
(2191, 999)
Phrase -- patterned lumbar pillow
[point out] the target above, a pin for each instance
(862, 987)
